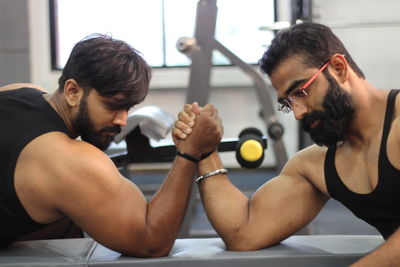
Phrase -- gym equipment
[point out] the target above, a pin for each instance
(301, 10)
(310, 251)
(250, 148)
(199, 50)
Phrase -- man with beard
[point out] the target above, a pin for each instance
(356, 160)
(52, 185)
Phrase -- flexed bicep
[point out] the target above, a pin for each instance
(280, 208)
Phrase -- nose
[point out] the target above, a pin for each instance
(121, 118)
(299, 111)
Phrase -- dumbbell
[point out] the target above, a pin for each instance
(250, 148)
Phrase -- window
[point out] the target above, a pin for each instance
(154, 26)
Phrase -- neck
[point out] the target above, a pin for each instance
(370, 104)
(57, 101)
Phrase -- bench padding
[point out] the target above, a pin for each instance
(295, 251)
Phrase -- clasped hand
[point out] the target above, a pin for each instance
(198, 130)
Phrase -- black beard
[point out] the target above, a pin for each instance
(87, 131)
(334, 120)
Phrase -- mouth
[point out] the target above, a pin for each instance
(110, 133)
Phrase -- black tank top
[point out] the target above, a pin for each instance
(24, 115)
(381, 207)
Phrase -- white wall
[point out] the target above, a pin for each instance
(370, 30)
(14, 42)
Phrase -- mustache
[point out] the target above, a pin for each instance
(111, 129)
(311, 118)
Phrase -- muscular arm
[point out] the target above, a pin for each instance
(114, 212)
(77, 180)
(278, 209)
(56, 175)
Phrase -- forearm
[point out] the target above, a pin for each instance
(167, 208)
(225, 205)
(388, 254)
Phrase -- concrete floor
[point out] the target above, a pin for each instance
(334, 219)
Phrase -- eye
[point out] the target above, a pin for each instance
(298, 93)
(115, 105)
(111, 106)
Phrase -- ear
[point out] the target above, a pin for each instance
(340, 67)
(73, 92)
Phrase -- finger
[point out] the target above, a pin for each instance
(186, 118)
(216, 112)
(184, 128)
(209, 107)
(211, 110)
(188, 109)
(177, 133)
(221, 126)
(196, 108)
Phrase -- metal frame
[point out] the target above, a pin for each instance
(199, 81)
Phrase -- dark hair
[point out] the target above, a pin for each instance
(110, 67)
(316, 43)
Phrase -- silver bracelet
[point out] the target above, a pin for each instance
(216, 172)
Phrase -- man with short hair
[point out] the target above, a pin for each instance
(356, 159)
(54, 186)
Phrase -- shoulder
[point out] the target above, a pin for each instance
(80, 154)
(14, 86)
(68, 160)
(311, 156)
(396, 112)
(54, 171)
(308, 165)
(395, 126)
(393, 141)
